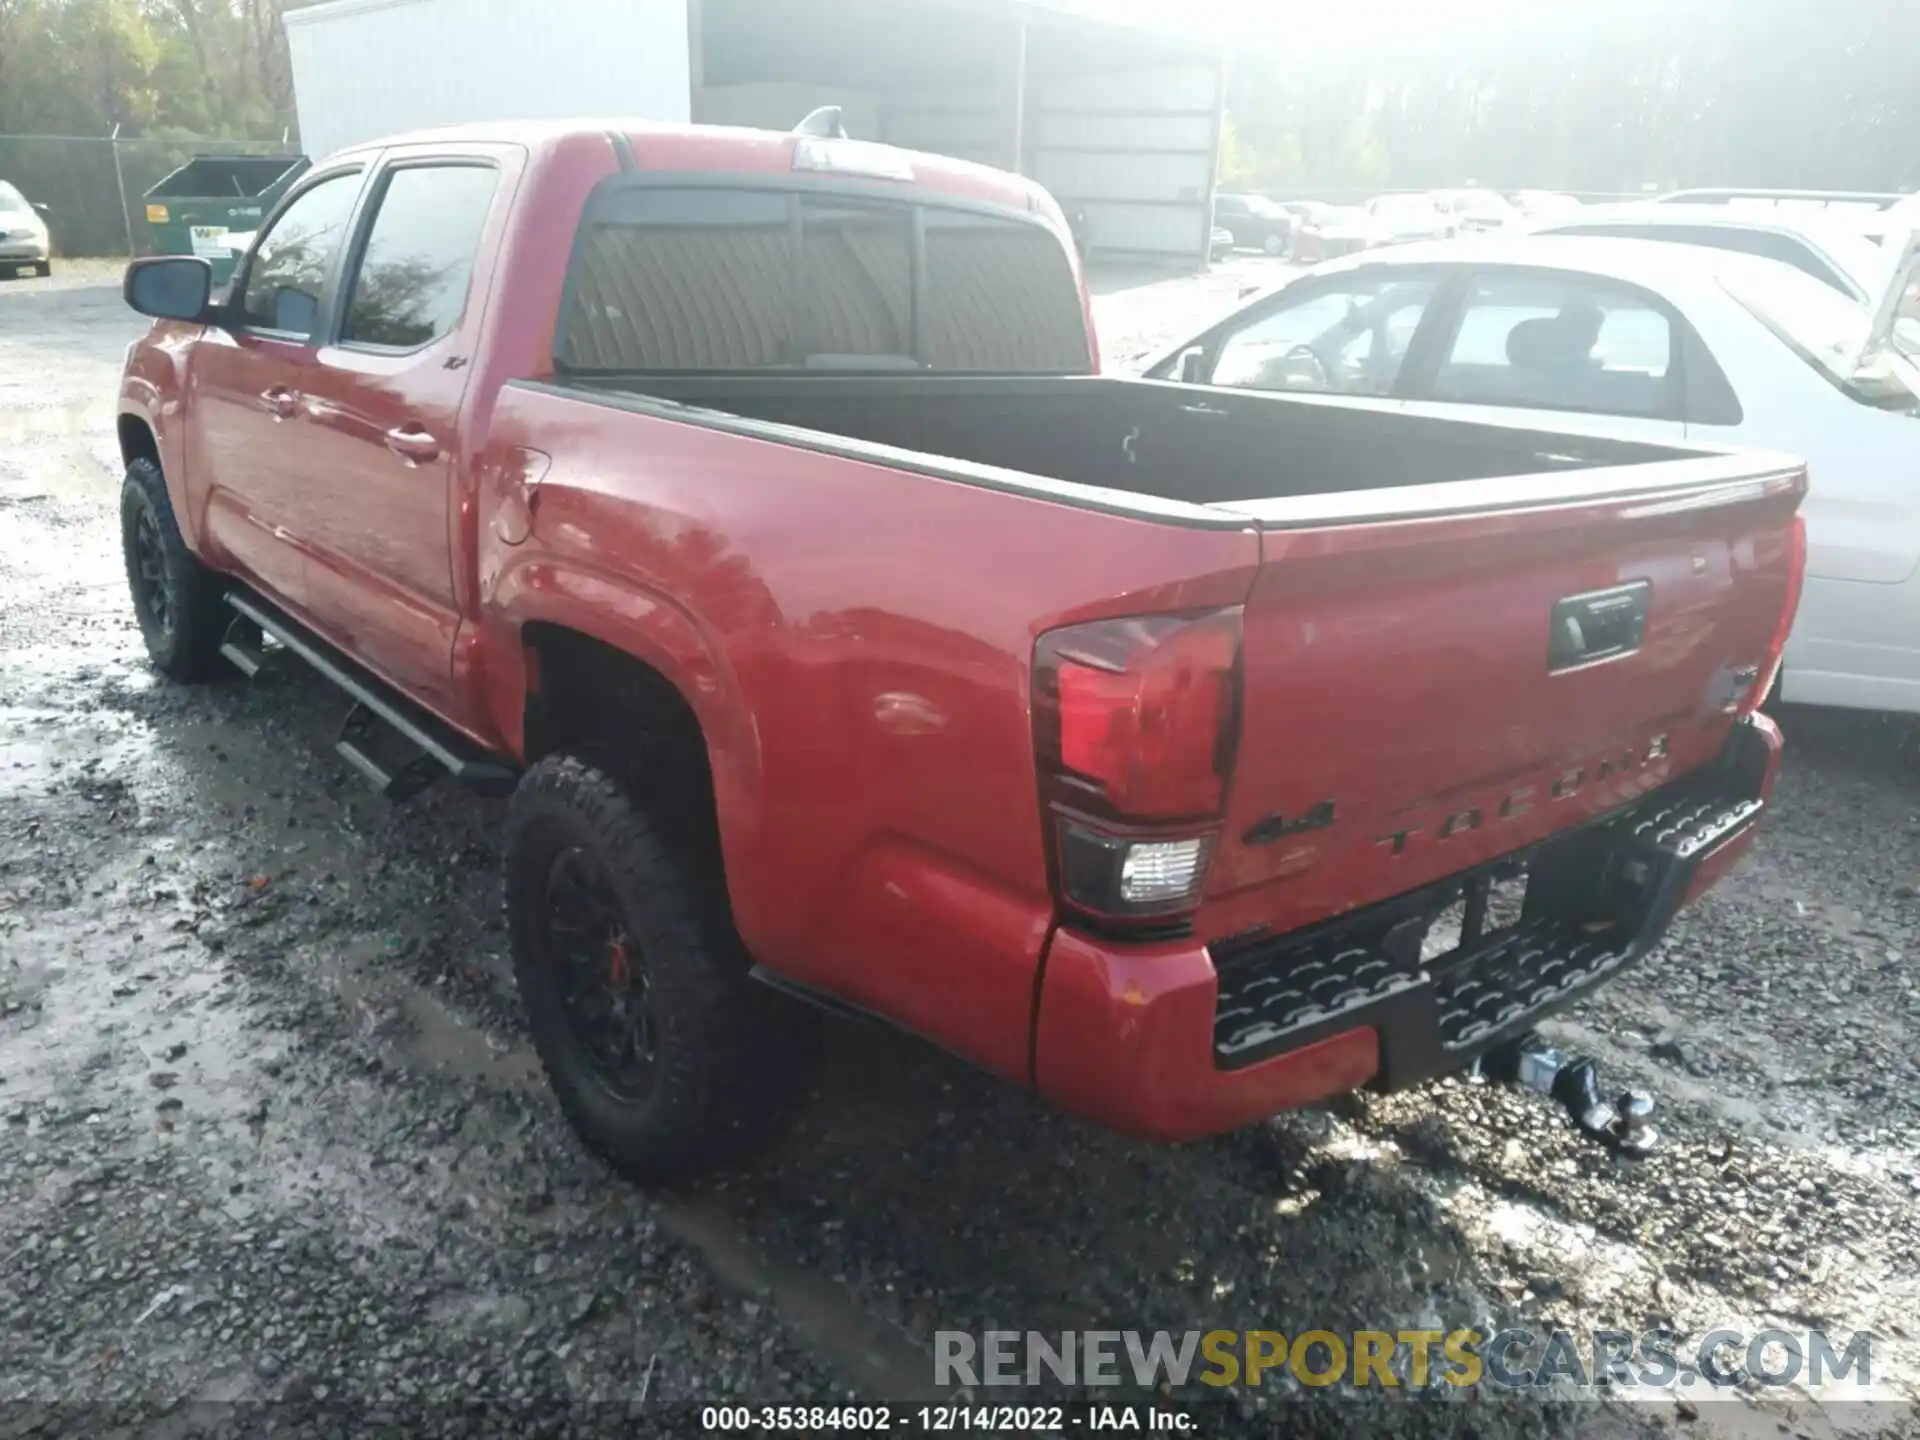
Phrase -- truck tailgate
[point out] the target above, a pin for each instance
(1444, 675)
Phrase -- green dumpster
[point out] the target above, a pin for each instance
(212, 205)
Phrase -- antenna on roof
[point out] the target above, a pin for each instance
(825, 123)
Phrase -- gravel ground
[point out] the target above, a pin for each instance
(270, 1132)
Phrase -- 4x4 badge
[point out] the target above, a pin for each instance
(1276, 826)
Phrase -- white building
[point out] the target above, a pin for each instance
(1119, 122)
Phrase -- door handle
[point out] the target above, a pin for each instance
(280, 402)
(410, 442)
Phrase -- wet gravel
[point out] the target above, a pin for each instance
(273, 1150)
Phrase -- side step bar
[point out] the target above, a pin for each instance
(242, 646)
(431, 748)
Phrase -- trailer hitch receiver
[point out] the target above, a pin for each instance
(1624, 1124)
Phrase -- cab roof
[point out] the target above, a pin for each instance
(719, 149)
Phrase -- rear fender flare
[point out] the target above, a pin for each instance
(654, 630)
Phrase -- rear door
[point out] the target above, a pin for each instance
(246, 381)
(378, 453)
(1558, 349)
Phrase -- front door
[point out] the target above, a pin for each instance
(378, 453)
(244, 389)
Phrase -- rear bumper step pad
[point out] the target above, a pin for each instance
(1596, 900)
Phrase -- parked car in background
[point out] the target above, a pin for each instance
(1476, 212)
(1831, 251)
(750, 507)
(1402, 219)
(1656, 342)
(1254, 221)
(1330, 231)
(1220, 243)
(1544, 204)
(1877, 214)
(25, 243)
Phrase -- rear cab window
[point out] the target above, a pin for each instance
(675, 278)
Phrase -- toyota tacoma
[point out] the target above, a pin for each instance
(751, 508)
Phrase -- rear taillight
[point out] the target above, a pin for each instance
(1135, 726)
(1777, 646)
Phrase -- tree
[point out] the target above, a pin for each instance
(152, 67)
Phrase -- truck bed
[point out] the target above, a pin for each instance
(1168, 442)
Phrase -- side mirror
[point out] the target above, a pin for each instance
(41, 208)
(169, 287)
(1192, 366)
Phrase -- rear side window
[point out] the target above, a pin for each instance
(411, 288)
(686, 279)
(1560, 342)
(290, 267)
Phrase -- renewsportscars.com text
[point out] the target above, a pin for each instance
(1415, 1359)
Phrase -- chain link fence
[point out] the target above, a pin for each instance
(93, 186)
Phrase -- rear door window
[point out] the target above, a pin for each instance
(671, 279)
(1560, 342)
(290, 266)
(412, 284)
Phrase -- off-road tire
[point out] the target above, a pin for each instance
(184, 640)
(711, 1023)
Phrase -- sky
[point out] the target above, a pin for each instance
(1297, 27)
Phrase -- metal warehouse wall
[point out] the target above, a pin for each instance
(970, 123)
(367, 68)
(782, 104)
(1135, 150)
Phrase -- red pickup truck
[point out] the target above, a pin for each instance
(751, 507)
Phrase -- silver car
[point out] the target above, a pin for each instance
(24, 242)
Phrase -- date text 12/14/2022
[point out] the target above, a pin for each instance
(946, 1419)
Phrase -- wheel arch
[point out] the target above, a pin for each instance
(138, 441)
(588, 695)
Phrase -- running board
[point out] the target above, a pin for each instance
(243, 645)
(428, 748)
(366, 743)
